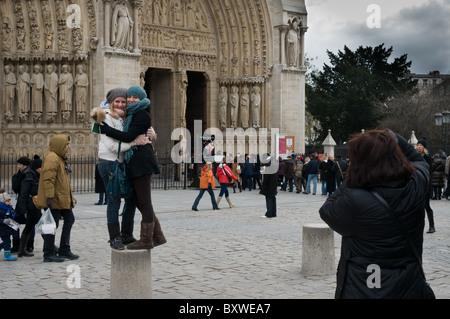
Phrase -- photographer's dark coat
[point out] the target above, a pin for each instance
(371, 237)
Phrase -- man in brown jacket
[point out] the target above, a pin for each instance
(55, 193)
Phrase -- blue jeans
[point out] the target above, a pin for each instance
(324, 187)
(271, 205)
(113, 208)
(312, 177)
(200, 195)
(224, 190)
(291, 184)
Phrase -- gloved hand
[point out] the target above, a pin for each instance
(7, 221)
(49, 203)
(104, 127)
(210, 185)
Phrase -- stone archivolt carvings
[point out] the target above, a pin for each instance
(231, 31)
(222, 37)
(40, 29)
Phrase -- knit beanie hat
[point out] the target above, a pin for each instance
(4, 197)
(24, 161)
(137, 91)
(115, 93)
(36, 163)
(423, 141)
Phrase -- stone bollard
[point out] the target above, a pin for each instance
(131, 274)
(318, 257)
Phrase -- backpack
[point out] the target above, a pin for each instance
(16, 181)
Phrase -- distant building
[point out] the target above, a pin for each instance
(427, 83)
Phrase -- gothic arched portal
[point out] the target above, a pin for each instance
(225, 42)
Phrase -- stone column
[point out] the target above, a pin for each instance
(283, 31)
(318, 257)
(107, 22)
(131, 274)
(302, 46)
(136, 5)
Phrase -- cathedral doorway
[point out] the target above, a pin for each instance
(162, 89)
(196, 108)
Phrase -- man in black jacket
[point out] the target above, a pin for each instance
(312, 170)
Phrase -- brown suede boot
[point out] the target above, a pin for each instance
(158, 236)
(146, 237)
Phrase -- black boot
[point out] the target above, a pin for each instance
(22, 252)
(127, 233)
(115, 240)
(430, 217)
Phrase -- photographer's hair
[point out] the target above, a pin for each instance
(376, 158)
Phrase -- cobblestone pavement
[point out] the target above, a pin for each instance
(225, 254)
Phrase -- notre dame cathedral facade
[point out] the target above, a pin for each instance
(226, 63)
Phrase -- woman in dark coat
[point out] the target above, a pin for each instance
(371, 238)
(141, 164)
(331, 175)
(269, 190)
(437, 176)
(26, 207)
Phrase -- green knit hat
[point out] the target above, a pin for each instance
(137, 91)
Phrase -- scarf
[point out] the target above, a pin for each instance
(131, 110)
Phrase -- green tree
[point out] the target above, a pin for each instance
(344, 95)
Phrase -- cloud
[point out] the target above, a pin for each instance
(420, 30)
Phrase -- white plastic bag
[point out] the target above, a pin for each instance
(46, 225)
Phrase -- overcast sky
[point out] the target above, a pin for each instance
(418, 28)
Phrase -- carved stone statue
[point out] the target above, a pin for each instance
(292, 44)
(245, 105)
(37, 90)
(10, 92)
(23, 92)
(256, 103)
(50, 90)
(182, 91)
(234, 104)
(122, 27)
(81, 92)
(223, 102)
(65, 92)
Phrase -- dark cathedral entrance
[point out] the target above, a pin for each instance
(196, 103)
(159, 85)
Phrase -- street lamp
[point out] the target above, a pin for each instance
(443, 119)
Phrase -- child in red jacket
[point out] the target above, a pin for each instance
(223, 174)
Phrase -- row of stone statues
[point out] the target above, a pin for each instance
(240, 107)
(28, 94)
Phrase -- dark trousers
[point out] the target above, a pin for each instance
(6, 243)
(33, 217)
(143, 197)
(49, 240)
(271, 205)
(247, 181)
